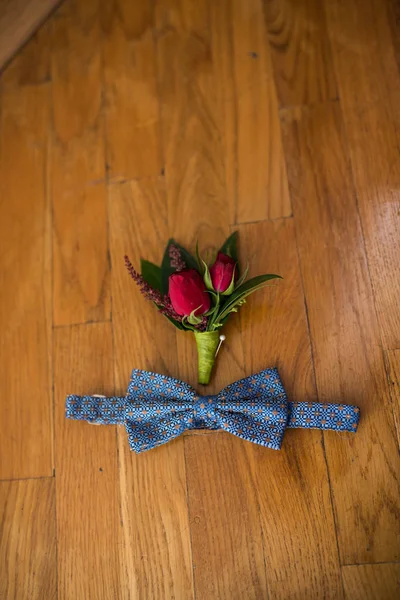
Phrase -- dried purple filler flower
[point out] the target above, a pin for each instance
(163, 302)
(176, 260)
(146, 289)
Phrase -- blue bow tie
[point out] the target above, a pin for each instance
(158, 408)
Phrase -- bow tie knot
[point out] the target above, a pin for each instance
(204, 413)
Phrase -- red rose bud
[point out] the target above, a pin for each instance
(222, 271)
(188, 293)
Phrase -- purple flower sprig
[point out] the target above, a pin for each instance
(176, 260)
(162, 302)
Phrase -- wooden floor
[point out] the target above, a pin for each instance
(19, 19)
(123, 123)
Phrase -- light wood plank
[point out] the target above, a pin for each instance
(291, 485)
(248, 112)
(18, 21)
(363, 52)
(28, 539)
(364, 468)
(369, 86)
(89, 531)
(300, 50)
(371, 582)
(25, 306)
(157, 559)
(131, 91)
(193, 151)
(393, 369)
(81, 268)
(31, 65)
(374, 136)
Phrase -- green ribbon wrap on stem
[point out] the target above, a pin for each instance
(207, 344)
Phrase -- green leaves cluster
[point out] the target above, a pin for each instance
(223, 304)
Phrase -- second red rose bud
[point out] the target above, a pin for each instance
(222, 272)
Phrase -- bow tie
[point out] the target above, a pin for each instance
(158, 408)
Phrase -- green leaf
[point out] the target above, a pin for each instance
(187, 326)
(245, 290)
(207, 278)
(167, 270)
(151, 273)
(229, 247)
(242, 278)
(190, 260)
(193, 319)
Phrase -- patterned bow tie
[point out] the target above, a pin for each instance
(157, 409)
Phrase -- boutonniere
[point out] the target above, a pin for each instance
(198, 296)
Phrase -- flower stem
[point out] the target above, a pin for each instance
(207, 343)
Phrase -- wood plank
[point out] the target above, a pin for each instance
(371, 582)
(363, 53)
(248, 112)
(300, 51)
(393, 370)
(81, 268)
(369, 86)
(393, 12)
(364, 469)
(154, 514)
(131, 91)
(292, 485)
(31, 65)
(18, 21)
(191, 138)
(28, 539)
(88, 504)
(374, 137)
(25, 307)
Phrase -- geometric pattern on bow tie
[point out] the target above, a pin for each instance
(158, 408)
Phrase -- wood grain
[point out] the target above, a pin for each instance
(131, 91)
(371, 582)
(393, 15)
(157, 559)
(393, 370)
(368, 80)
(363, 53)
(292, 486)
(31, 65)
(25, 305)
(374, 136)
(300, 51)
(18, 21)
(260, 167)
(81, 268)
(122, 124)
(364, 469)
(89, 531)
(193, 152)
(28, 539)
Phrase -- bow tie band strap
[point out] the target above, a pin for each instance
(158, 408)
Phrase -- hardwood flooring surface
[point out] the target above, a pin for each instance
(122, 124)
